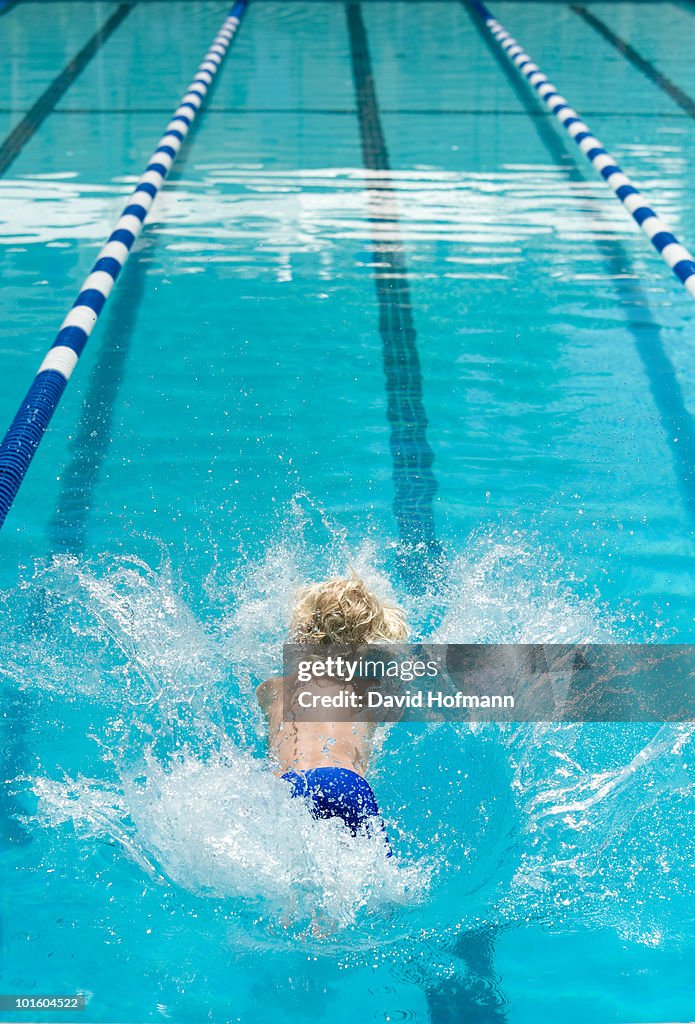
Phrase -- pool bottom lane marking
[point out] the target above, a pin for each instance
(90, 444)
(677, 94)
(45, 104)
(34, 415)
(677, 423)
(414, 481)
(673, 253)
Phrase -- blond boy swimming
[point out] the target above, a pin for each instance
(325, 763)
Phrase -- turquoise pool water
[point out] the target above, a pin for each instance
(234, 429)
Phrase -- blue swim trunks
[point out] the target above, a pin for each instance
(337, 793)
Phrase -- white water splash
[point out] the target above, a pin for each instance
(226, 828)
(187, 802)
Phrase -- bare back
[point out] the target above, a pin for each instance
(301, 746)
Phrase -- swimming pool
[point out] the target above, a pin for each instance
(380, 302)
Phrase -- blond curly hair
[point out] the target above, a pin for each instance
(345, 611)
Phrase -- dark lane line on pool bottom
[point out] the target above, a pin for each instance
(13, 832)
(89, 449)
(665, 389)
(414, 481)
(678, 95)
(34, 118)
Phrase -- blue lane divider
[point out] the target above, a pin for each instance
(673, 253)
(34, 414)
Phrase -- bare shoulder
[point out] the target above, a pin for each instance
(268, 691)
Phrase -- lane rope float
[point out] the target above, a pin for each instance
(33, 416)
(671, 250)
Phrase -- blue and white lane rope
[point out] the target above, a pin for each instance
(34, 415)
(675, 255)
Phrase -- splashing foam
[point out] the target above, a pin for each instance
(227, 827)
(508, 590)
(603, 806)
(187, 801)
